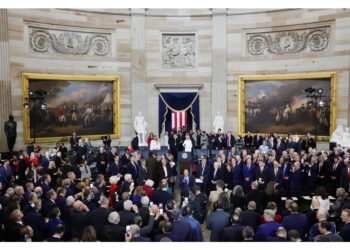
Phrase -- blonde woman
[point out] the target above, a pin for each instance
(155, 144)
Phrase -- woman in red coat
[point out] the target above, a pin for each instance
(148, 188)
(33, 158)
(113, 180)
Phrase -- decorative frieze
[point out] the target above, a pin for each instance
(178, 51)
(288, 41)
(69, 42)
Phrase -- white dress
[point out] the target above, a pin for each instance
(323, 203)
(188, 145)
(155, 145)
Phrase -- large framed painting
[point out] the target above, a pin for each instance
(281, 104)
(55, 106)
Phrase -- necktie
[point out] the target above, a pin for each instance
(349, 173)
(276, 171)
(229, 141)
(144, 167)
(203, 166)
(334, 167)
(320, 167)
(215, 173)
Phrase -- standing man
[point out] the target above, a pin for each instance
(11, 132)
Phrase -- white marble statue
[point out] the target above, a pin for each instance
(140, 126)
(218, 123)
(346, 139)
(337, 135)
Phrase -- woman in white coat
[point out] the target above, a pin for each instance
(187, 144)
(155, 144)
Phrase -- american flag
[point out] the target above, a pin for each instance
(178, 120)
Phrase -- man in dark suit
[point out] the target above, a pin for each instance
(78, 216)
(275, 173)
(46, 184)
(203, 173)
(49, 203)
(182, 231)
(281, 235)
(45, 160)
(311, 172)
(201, 199)
(99, 216)
(126, 157)
(286, 174)
(135, 142)
(262, 174)
(248, 172)
(258, 140)
(102, 160)
(215, 175)
(113, 232)
(127, 215)
(35, 219)
(345, 230)
(324, 169)
(58, 235)
(174, 144)
(74, 141)
(217, 221)
(162, 196)
(310, 142)
(248, 140)
(142, 173)
(112, 154)
(164, 171)
(14, 226)
(296, 178)
(186, 181)
(280, 147)
(249, 217)
(229, 141)
(296, 221)
(344, 179)
(132, 168)
(234, 232)
(255, 195)
(325, 228)
(134, 235)
(269, 228)
(336, 171)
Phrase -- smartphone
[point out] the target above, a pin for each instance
(226, 190)
(161, 211)
(186, 200)
(151, 204)
(91, 185)
(26, 237)
(128, 230)
(160, 205)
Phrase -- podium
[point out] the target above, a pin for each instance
(185, 161)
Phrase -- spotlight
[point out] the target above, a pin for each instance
(321, 103)
(320, 91)
(43, 106)
(31, 93)
(26, 105)
(310, 103)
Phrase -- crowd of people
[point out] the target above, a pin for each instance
(251, 188)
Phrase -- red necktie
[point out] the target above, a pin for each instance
(349, 174)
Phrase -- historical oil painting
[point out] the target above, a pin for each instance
(86, 105)
(279, 104)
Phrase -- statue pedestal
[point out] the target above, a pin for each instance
(143, 144)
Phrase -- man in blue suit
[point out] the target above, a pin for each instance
(311, 172)
(182, 230)
(5, 173)
(229, 140)
(286, 174)
(296, 178)
(197, 234)
(269, 228)
(217, 221)
(296, 221)
(322, 215)
(186, 181)
(203, 173)
(45, 160)
(248, 173)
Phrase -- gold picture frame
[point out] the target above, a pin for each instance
(333, 76)
(27, 77)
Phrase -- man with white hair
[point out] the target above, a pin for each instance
(127, 215)
(126, 185)
(269, 228)
(113, 232)
(322, 215)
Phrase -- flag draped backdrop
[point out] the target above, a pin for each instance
(178, 102)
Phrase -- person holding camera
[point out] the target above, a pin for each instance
(133, 234)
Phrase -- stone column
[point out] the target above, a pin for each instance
(5, 82)
(138, 64)
(219, 65)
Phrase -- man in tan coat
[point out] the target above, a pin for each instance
(214, 195)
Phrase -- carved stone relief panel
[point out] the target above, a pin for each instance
(178, 51)
(314, 39)
(69, 42)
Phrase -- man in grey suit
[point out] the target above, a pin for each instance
(142, 173)
(217, 221)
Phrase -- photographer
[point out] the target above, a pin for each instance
(133, 234)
